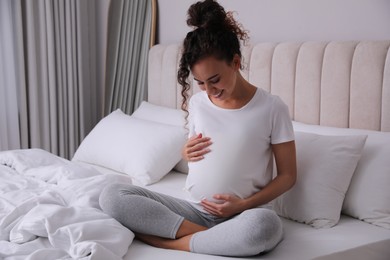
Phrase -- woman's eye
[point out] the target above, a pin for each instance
(214, 81)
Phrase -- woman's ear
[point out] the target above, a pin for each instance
(236, 62)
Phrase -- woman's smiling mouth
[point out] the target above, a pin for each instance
(218, 95)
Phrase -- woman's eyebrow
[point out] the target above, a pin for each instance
(207, 79)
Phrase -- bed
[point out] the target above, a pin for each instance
(338, 94)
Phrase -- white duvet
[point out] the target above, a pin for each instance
(49, 209)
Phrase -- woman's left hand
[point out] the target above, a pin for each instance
(227, 206)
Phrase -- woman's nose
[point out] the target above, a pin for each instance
(209, 88)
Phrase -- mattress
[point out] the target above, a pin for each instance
(49, 210)
(349, 239)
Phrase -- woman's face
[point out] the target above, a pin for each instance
(217, 77)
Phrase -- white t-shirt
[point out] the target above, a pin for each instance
(240, 161)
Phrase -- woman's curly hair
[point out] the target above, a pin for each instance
(215, 33)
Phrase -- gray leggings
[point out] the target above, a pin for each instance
(249, 233)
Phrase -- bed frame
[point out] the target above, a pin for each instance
(340, 84)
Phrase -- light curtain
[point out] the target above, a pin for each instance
(130, 34)
(9, 123)
(53, 74)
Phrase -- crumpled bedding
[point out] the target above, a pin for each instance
(49, 209)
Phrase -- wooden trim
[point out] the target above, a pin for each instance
(153, 24)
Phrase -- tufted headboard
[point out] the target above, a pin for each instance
(341, 84)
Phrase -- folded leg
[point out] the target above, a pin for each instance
(249, 233)
(147, 212)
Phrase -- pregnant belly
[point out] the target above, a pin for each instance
(220, 172)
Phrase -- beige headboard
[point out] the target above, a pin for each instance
(341, 84)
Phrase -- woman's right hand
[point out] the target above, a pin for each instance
(196, 147)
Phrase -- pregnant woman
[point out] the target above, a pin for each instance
(236, 130)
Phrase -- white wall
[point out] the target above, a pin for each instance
(288, 20)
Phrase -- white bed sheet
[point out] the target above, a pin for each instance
(300, 241)
(49, 209)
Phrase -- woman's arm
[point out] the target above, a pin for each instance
(286, 166)
(285, 158)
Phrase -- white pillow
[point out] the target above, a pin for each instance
(143, 149)
(160, 114)
(325, 167)
(368, 195)
(165, 115)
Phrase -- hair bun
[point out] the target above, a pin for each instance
(207, 14)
